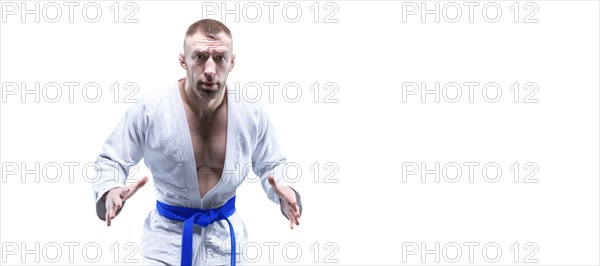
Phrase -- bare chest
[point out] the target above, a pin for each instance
(209, 140)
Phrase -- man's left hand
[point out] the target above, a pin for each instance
(287, 198)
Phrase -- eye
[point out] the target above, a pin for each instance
(220, 58)
(198, 57)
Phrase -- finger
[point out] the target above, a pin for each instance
(123, 193)
(296, 213)
(292, 220)
(109, 214)
(117, 202)
(142, 182)
(133, 188)
(290, 215)
(295, 217)
(139, 184)
(293, 206)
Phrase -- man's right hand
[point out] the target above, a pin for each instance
(116, 197)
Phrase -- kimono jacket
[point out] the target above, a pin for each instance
(156, 129)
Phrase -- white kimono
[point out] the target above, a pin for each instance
(156, 129)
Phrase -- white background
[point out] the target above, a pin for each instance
(371, 215)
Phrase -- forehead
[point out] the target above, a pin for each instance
(200, 42)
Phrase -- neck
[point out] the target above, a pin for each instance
(208, 113)
(204, 110)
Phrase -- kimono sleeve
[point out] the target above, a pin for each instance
(268, 159)
(122, 150)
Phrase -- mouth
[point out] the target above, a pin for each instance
(207, 84)
(208, 88)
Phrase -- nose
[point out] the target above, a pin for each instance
(209, 69)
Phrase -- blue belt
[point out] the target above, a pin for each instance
(200, 217)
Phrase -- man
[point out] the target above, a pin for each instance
(196, 143)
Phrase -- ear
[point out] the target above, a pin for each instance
(232, 62)
(182, 61)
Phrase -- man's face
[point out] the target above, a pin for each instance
(207, 63)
